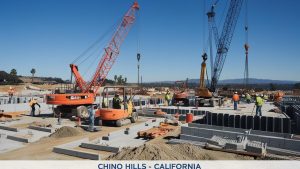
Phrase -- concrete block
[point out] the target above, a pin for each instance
(226, 120)
(231, 121)
(263, 123)
(44, 129)
(100, 147)
(76, 153)
(278, 151)
(270, 124)
(209, 118)
(249, 120)
(234, 146)
(9, 128)
(243, 122)
(256, 123)
(237, 121)
(253, 147)
(277, 125)
(16, 138)
(193, 138)
(286, 125)
(214, 119)
(220, 121)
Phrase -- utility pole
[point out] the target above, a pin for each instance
(138, 56)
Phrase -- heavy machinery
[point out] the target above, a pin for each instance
(84, 92)
(181, 93)
(206, 95)
(125, 114)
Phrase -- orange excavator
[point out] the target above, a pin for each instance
(83, 94)
(125, 114)
(181, 93)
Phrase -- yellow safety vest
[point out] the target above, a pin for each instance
(167, 97)
(259, 101)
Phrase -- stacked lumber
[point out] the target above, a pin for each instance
(155, 132)
(9, 116)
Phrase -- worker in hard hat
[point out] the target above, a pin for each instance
(117, 101)
(11, 91)
(32, 104)
(248, 98)
(235, 99)
(168, 97)
(259, 103)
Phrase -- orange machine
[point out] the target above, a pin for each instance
(11, 91)
(278, 96)
(181, 93)
(115, 116)
(84, 92)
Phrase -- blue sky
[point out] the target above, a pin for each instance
(49, 34)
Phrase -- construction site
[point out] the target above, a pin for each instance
(90, 118)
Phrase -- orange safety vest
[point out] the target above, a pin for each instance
(236, 97)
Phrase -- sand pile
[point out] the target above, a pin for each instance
(66, 131)
(173, 152)
(161, 152)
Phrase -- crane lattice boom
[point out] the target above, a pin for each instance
(223, 42)
(110, 54)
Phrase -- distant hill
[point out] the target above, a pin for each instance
(8, 79)
(240, 81)
(257, 81)
(41, 80)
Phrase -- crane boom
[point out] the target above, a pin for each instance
(224, 41)
(68, 100)
(110, 54)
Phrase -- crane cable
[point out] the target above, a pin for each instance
(94, 44)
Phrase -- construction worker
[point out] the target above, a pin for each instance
(259, 102)
(32, 104)
(91, 110)
(168, 98)
(11, 92)
(117, 101)
(266, 97)
(248, 98)
(105, 101)
(236, 99)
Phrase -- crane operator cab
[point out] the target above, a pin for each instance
(120, 111)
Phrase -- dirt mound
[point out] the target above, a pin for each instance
(151, 151)
(161, 152)
(66, 131)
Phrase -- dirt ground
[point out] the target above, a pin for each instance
(18, 88)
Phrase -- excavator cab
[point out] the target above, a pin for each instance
(181, 93)
(117, 115)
